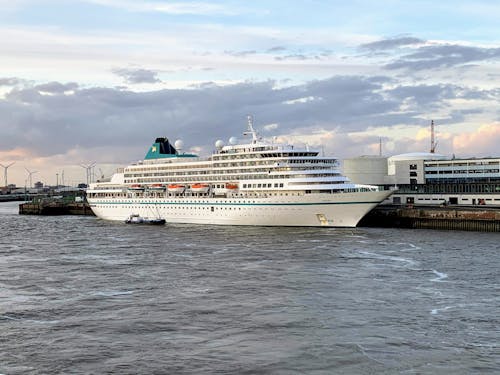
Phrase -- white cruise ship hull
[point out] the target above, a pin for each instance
(343, 209)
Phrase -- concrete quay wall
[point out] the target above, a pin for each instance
(55, 208)
(451, 218)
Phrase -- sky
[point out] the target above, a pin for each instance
(96, 81)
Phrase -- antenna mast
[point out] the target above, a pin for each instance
(433, 142)
(251, 130)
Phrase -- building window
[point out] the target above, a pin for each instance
(413, 174)
(413, 166)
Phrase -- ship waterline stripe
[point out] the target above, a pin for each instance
(229, 204)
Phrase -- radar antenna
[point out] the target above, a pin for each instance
(251, 131)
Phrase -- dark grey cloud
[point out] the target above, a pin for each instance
(391, 43)
(430, 97)
(318, 55)
(9, 81)
(240, 53)
(56, 87)
(276, 49)
(282, 54)
(326, 53)
(294, 56)
(118, 120)
(134, 76)
(443, 56)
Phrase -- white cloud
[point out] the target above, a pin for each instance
(484, 140)
(174, 8)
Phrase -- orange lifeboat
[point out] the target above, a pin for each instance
(231, 186)
(176, 188)
(136, 187)
(200, 188)
(157, 187)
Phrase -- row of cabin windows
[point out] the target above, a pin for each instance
(257, 186)
(463, 164)
(227, 164)
(464, 171)
(211, 208)
(464, 199)
(449, 188)
(227, 177)
(132, 196)
(225, 171)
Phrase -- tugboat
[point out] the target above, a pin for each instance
(136, 219)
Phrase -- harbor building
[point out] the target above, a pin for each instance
(430, 178)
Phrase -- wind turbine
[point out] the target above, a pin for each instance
(30, 173)
(88, 170)
(5, 167)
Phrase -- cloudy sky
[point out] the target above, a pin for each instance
(85, 81)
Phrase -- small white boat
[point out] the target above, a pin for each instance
(136, 219)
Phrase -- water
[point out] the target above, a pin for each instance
(83, 296)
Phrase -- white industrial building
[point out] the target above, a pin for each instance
(430, 178)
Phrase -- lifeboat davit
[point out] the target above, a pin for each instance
(200, 188)
(176, 188)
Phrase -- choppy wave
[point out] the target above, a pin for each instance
(440, 276)
(81, 295)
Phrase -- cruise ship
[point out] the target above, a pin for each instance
(249, 183)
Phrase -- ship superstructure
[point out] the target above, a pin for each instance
(252, 183)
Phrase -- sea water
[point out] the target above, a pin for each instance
(81, 295)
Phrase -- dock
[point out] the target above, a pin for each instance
(470, 218)
(56, 206)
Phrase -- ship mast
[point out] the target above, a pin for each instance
(251, 131)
